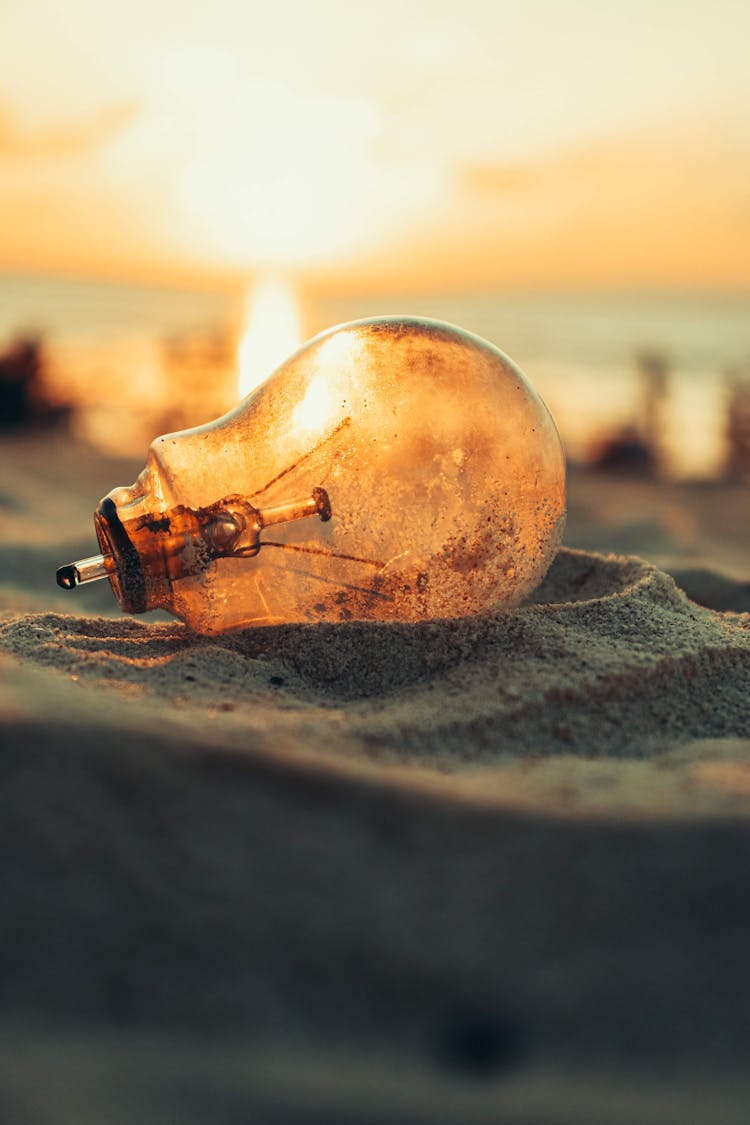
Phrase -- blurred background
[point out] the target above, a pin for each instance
(186, 194)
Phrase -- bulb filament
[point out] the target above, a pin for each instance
(235, 525)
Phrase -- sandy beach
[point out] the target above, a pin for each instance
(375, 871)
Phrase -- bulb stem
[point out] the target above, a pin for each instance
(316, 505)
(85, 570)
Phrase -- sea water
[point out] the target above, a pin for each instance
(139, 358)
(581, 352)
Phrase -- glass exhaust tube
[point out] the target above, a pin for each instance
(85, 570)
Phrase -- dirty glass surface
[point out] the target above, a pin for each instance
(393, 468)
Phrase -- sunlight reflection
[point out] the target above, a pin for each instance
(323, 404)
(272, 331)
(313, 412)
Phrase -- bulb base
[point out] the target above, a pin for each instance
(150, 551)
(127, 580)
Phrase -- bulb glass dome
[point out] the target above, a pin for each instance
(393, 468)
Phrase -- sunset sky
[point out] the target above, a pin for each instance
(401, 144)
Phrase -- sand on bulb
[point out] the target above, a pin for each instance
(393, 468)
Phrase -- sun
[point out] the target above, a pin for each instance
(265, 173)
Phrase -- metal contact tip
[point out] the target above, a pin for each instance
(67, 577)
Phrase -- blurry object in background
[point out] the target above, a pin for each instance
(623, 451)
(24, 392)
(737, 465)
(169, 381)
(636, 448)
(201, 365)
(120, 353)
(653, 371)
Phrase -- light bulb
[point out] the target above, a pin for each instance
(392, 468)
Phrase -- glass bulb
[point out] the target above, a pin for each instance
(393, 468)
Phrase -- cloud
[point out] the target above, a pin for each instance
(20, 143)
(671, 159)
(490, 180)
(665, 206)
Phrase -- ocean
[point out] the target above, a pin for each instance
(135, 358)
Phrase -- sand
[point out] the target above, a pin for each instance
(369, 871)
(609, 659)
